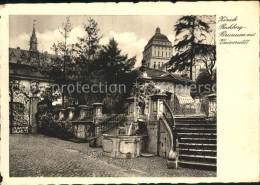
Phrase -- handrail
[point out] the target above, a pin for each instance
(172, 124)
(170, 131)
(107, 127)
(112, 122)
(110, 118)
(171, 112)
(172, 156)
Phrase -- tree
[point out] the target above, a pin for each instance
(207, 54)
(86, 50)
(191, 33)
(205, 82)
(112, 67)
(89, 44)
(112, 64)
(61, 48)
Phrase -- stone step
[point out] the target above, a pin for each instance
(195, 130)
(198, 158)
(194, 122)
(198, 146)
(197, 135)
(204, 152)
(187, 125)
(183, 119)
(198, 140)
(197, 165)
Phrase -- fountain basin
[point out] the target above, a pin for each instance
(123, 146)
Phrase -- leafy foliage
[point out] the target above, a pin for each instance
(87, 62)
(89, 45)
(205, 82)
(112, 67)
(112, 64)
(192, 33)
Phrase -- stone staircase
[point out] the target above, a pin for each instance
(106, 126)
(197, 143)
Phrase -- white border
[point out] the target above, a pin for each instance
(237, 78)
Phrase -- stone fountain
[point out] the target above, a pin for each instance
(129, 140)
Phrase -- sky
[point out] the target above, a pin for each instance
(131, 32)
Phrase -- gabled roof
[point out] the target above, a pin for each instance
(21, 56)
(23, 64)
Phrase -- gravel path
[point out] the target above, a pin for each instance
(38, 155)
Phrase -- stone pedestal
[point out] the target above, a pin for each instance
(131, 107)
(123, 146)
(97, 109)
(97, 115)
(172, 161)
(34, 100)
(82, 112)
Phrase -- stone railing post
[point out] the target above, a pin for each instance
(34, 100)
(82, 112)
(97, 118)
(157, 108)
(61, 114)
(97, 110)
(71, 111)
(132, 108)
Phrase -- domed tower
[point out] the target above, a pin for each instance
(33, 40)
(157, 31)
(158, 51)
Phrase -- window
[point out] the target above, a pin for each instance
(158, 53)
(166, 53)
(154, 65)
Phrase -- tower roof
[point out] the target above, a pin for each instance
(33, 40)
(158, 36)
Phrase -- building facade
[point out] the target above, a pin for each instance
(26, 84)
(158, 51)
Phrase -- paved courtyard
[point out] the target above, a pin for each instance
(38, 155)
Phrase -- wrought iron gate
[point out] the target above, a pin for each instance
(19, 109)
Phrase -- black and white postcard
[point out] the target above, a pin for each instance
(158, 92)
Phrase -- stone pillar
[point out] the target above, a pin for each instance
(82, 111)
(34, 100)
(157, 104)
(61, 114)
(97, 109)
(131, 106)
(70, 113)
(212, 106)
(97, 115)
(172, 155)
(156, 110)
